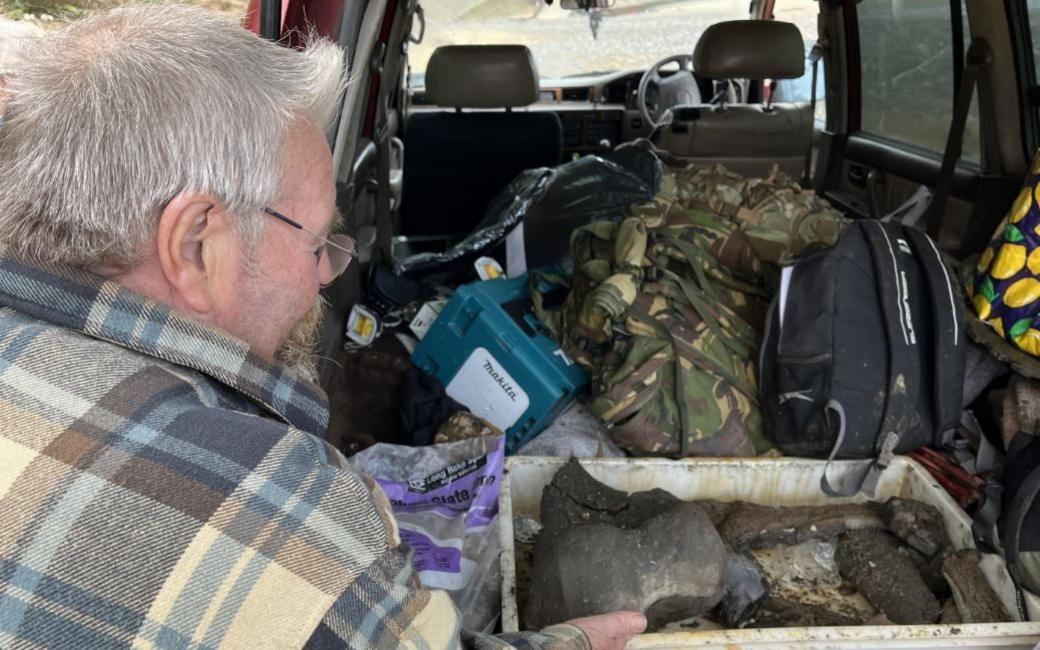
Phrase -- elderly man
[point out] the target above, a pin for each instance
(166, 204)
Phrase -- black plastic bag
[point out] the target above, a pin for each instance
(551, 202)
(586, 190)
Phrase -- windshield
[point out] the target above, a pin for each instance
(630, 35)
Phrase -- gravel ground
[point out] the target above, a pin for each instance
(11, 32)
(562, 41)
(13, 29)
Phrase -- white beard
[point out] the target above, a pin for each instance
(299, 350)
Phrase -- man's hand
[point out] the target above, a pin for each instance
(611, 631)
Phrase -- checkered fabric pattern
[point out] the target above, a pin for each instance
(162, 486)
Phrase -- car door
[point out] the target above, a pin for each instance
(894, 69)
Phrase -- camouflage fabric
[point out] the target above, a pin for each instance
(780, 220)
(666, 308)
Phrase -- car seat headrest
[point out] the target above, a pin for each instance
(750, 49)
(482, 76)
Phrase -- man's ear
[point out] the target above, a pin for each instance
(192, 227)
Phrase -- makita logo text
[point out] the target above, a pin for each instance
(506, 387)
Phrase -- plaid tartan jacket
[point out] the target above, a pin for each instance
(162, 486)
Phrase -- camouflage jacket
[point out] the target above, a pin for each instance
(666, 307)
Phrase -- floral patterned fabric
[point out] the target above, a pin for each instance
(1005, 289)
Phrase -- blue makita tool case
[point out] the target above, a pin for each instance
(492, 356)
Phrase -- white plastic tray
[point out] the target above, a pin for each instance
(772, 482)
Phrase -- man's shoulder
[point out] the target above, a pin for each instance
(74, 380)
(221, 525)
(92, 369)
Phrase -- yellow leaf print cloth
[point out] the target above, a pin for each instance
(1005, 289)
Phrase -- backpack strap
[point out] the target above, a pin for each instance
(865, 477)
(903, 371)
(984, 526)
(552, 320)
(949, 336)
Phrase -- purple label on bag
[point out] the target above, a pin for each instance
(429, 556)
(468, 487)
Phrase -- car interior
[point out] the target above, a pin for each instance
(856, 98)
(459, 159)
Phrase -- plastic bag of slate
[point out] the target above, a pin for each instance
(445, 498)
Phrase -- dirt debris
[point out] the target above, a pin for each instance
(463, 426)
(777, 612)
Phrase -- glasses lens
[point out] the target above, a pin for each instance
(342, 250)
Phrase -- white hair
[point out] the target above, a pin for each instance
(110, 118)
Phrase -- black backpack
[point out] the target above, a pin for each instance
(864, 351)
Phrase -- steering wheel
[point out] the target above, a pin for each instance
(675, 89)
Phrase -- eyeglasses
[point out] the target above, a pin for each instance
(340, 248)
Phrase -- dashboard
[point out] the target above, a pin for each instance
(611, 89)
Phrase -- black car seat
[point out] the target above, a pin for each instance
(456, 160)
(747, 138)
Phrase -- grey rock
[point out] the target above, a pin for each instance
(526, 529)
(717, 510)
(888, 579)
(750, 526)
(930, 569)
(975, 599)
(670, 568)
(745, 589)
(573, 497)
(918, 524)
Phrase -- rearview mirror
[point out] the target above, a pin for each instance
(585, 5)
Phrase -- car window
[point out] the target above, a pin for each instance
(628, 35)
(1027, 19)
(910, 61)
(804, 14)
(1033, 7)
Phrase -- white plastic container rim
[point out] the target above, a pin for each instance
(772, 482)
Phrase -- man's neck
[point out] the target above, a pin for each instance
(146, 278)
